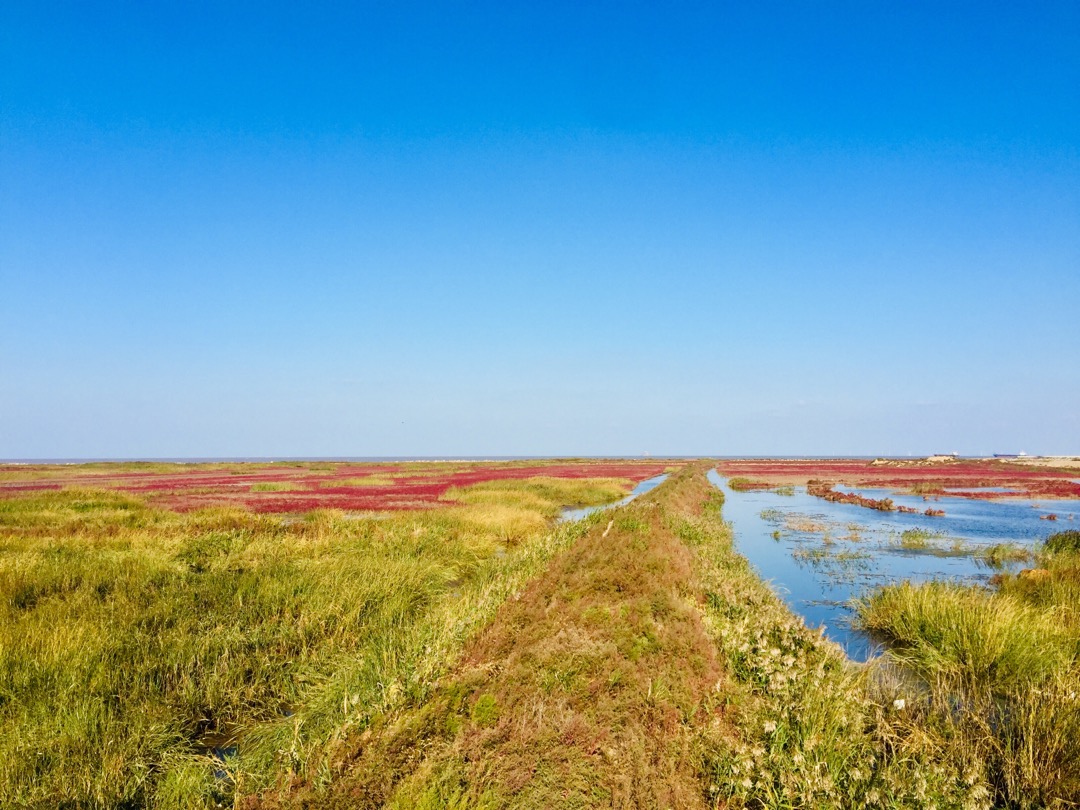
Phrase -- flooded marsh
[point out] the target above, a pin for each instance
(822, 555)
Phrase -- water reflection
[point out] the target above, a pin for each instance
(821, 555)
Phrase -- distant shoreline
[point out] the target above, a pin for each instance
(377, 459)
(1049, 460)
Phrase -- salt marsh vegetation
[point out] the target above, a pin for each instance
(1002, 667)
(482, 654)
(164, 659)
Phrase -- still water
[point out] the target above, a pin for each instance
(577, 513)
(819, 556)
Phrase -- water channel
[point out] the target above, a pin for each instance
(579, 512)
(819, 556)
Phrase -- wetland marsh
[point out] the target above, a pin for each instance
(822, 556)
(182, 636)
(148, 643)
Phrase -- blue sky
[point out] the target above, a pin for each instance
(582, 228)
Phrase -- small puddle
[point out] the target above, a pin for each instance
(221, 756)
(221, 748)
(819, 555)
(577, 513)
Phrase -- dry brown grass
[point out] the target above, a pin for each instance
(801, 523)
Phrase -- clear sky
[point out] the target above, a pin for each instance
(336, 229)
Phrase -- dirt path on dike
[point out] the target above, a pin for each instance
(585, 691)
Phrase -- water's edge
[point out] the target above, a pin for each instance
(571, 513)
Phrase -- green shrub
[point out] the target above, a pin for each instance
(1066, 541)
(486, 711)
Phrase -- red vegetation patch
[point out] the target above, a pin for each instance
(967, 478)
(301, 487)
(822, 489)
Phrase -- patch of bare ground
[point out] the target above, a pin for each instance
(1056, 462)
(587, 690)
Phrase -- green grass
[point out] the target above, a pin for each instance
(584, 690)
(812, 729)
(926, 488)
(476, 656)
(1002, 670)
(1000, 554)
(540, 495)
(131, 638)
(964, 633)
(277, 486)
(366, 481)
(838, 565)
(918, 539)
(1066, 541)
(938, 544)
(739, 484)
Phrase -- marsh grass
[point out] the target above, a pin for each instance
(543, 494)
(926, 488)
(278, 486)
(1061, 542)
(739, 484)
(839, 565)
(475, 656)
(585, 690)
(804, 524)
(134, 641)
(1001, 554)
(814, 730)
(1003, 670)
(918, 539)
(365, 481)
(939, 544)
(933, 543)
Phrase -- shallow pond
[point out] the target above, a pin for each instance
(577, 513)
(821, 555)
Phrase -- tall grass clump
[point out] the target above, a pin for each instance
(1002, 672)
(999, 554)
(1061, 542)
(138, 646)
(916, 539)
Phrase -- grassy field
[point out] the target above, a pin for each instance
(480, 655)
(150, 658)
(292, 487)
(586, 690)
(649, 666)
